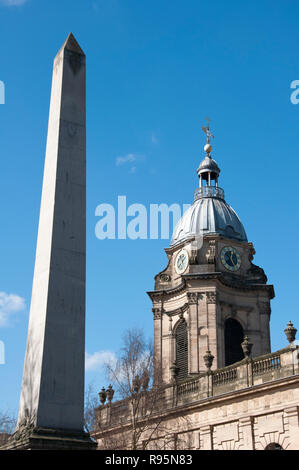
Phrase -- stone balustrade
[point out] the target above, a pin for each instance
(242, 375)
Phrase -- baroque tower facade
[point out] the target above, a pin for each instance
(211, 307)
(210, 295)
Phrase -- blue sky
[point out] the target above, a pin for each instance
(155, 70)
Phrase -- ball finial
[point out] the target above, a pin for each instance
(208, 148)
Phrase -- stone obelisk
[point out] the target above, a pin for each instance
(52, 396)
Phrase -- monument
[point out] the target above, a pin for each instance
(51, 413)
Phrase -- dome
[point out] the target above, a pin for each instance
(209, 214)
(208, 165)
(206, 216)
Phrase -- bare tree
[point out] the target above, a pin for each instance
(7, 426)
(137, 414)
(91, 402)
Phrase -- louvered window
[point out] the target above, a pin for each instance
(181, 338)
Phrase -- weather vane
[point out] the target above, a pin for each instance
(207, 131)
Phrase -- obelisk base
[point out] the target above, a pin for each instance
(49, 439)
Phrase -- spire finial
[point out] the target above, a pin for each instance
(206, 129)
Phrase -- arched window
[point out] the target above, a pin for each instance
(181, 345)
(233, 337)
(274, 446)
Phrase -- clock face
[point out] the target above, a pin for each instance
(181, 262)
(230, 258)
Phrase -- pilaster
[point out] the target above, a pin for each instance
(246, 428)
(157, 315)
(292, 418)
(193, 322)
(206, 437)
(211, 298)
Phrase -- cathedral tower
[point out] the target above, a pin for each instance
(211, 294)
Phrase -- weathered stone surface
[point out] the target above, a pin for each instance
(49, 439)
(235, 411)
(52, 395)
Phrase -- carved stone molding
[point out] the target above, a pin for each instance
(237, 283)
(193, 257)
(211, 252)
(192, 298)
(167, 292)
(178, 311)
(165, 278)
(211, 297)
(157, 313)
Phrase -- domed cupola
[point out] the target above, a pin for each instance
(209, 213)
(208, 166)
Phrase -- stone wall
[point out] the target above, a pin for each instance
(249, 409)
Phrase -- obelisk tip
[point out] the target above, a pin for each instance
(72, 45)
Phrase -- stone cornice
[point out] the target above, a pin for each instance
(165, 292)
(235, 284)
(192, 299)
(170, 250)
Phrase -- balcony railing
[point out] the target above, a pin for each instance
(264, 365)
(188, 387)
(225, 377)
(242, 375)
(208, 191)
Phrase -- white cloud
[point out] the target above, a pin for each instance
(130, 160)
(98, 359)
(9, 305)
(127, 159)
(12, 3)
